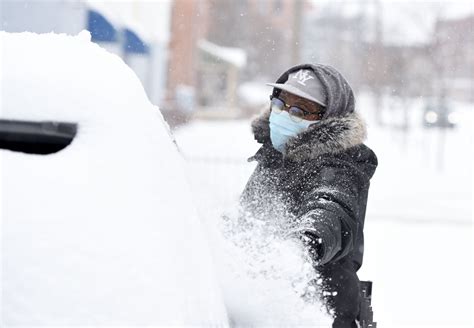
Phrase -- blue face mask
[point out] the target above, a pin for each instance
(282, 128)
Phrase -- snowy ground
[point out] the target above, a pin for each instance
(419, 220)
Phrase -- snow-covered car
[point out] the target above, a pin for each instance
(97, 221)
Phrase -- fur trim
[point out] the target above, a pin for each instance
(331, 135)
(261, 127)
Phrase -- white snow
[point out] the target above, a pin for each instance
(103, 232)
(265, 275)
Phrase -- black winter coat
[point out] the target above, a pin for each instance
(321, 183)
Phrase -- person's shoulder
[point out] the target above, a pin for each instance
(359, 158)
(363, 158)
(362, 152)
(356, 153)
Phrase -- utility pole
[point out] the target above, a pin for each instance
(378, 64)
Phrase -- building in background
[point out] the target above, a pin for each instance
(367, 45)
(43, 16)
(218, 73)
(267, 32)
(338, 40)
(189, 24)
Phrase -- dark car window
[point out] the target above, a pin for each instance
(44, 137)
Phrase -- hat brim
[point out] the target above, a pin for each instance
(291, 89)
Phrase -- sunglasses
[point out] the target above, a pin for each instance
(296, 114)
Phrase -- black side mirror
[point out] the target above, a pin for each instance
(44, 137)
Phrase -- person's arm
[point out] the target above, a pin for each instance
(330, 214)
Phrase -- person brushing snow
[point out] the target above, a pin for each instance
(314, 168)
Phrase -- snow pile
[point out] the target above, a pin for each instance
(268, 278)
(104, 231)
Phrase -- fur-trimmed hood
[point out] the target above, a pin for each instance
(331, 135)
(340, 127)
